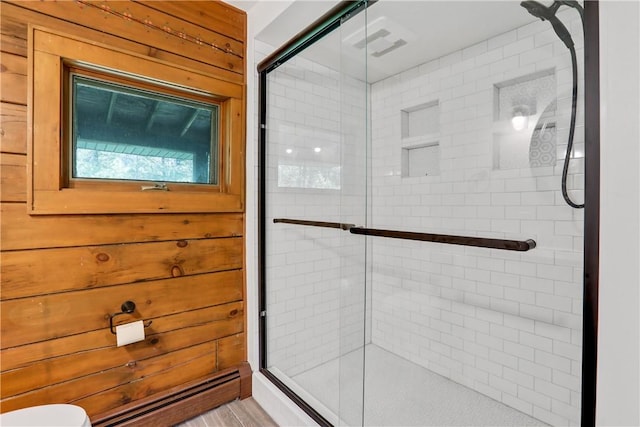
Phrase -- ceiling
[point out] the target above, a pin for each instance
(402, 34)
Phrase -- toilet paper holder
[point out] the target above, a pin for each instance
(127, 307)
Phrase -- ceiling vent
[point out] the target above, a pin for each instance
(381, 37)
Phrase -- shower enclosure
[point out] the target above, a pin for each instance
(419, 264)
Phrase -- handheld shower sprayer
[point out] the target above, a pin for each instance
(548, 13)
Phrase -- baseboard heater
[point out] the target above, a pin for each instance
(181, 403)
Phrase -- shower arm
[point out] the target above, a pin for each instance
(480, 242)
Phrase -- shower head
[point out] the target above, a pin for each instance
(537, 9)
(549, 14)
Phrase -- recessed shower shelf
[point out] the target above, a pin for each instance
(420, 120)
(524, 132)
(420, 134)
(421, 159)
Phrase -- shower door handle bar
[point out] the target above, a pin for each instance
(480, 242)
(324, 224)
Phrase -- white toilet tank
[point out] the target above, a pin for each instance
(57, 415)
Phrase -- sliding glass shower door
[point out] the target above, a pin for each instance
(316, 179)
(422, 231)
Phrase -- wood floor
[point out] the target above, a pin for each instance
(239, 413)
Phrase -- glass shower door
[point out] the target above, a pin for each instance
(316, 178)
(421, 264)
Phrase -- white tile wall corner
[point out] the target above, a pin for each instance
(505, 324)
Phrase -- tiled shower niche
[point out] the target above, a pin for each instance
(420, 120)
(420, 129)
(524, 129)
(423, 160)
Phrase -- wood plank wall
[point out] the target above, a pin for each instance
(63, 275)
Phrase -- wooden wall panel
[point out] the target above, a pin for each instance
(212, 15)
(139, 23)
(11, 44)
(13, 128)
(15, 18)
(62, 275)
(202, 357)
(224, 318)
(42, 271)
(57, 370)
(31, 232)
(13, 178)
(187, 366)
(22, 319)
(13, 78)
(230, 349)
(130, 20)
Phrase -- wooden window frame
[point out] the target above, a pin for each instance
(49, 189)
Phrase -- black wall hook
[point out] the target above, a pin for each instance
(127, 307)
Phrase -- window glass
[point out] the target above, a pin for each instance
(127, 133)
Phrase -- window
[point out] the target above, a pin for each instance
(109, 125)
(128, 133)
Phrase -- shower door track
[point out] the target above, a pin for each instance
(479, 242)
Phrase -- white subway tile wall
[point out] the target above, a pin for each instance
(505, 324)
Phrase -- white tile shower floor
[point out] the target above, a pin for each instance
(400, 393)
